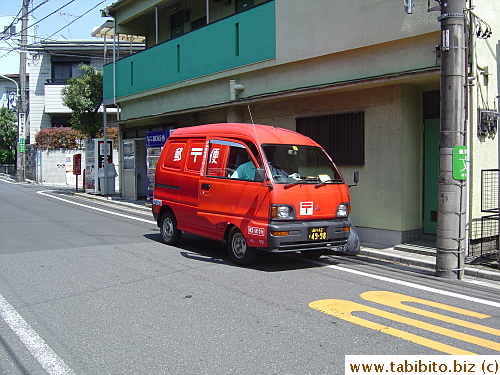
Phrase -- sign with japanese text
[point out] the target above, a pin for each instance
(156, 138)
(459, 159)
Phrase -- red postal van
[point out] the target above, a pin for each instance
(252, 187)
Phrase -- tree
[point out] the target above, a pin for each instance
(8, 134)
(83, 96)
(54, 138)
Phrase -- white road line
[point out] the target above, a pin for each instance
(9, 181)
(49, 360)
(412, 285)
(96, 208)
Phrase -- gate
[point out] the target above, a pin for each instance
(30, 163)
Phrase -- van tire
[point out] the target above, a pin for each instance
(170, 234)
(239, 251)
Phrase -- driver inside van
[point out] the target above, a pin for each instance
(245, 171)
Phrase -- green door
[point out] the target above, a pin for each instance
(431, 174)
(177, 24)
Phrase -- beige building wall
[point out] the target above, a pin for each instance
(390, 189)
(483, 94)
(306, 29)
(335, 56)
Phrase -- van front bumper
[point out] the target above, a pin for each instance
(294, 236)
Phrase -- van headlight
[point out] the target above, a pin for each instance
(282, 212)
(343, 210)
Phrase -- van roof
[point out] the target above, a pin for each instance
(259, 133)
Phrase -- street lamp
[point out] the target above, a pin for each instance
(17, 87)
(20, 124)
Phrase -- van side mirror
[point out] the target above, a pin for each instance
(356, 179)
(260, 175)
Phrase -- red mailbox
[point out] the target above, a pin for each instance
(77, 164)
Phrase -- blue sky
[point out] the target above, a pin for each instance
(54, 25)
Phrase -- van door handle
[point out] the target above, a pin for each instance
(205, 186)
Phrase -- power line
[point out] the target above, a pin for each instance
(15, 20)
(49, 37)
(44, 18)
(88, 11)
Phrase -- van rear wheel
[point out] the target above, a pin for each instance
(238, 249)
(170, 234)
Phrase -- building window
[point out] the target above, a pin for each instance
(242, 5)
(341, 135)
(9, 30)
(64, 70)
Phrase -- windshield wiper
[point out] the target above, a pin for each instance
(324, 183)
(299, 182)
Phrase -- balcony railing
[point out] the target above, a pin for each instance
(239, 40)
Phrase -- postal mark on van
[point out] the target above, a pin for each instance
(252, 187)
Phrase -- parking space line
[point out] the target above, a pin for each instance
(49, 360)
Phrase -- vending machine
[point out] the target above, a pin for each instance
(154, 143)
(95, 155)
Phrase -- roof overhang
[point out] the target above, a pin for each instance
(107, 31)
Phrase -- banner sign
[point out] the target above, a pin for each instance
(156, 138)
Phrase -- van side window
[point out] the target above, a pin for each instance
(230, 160)
(240, 165)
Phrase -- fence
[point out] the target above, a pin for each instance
(490, 224)
(7, 168)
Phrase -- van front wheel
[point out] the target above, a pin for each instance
(168, 228)
(238, 249)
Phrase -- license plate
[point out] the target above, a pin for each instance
(316, 234)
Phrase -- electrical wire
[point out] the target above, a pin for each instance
(15, 20)
(44, 18)
(88, 11)
(52, 13)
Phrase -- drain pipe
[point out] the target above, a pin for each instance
(234, 89)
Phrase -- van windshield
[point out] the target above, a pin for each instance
(294, 164)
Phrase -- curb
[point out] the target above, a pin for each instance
(425, 261)
(113, 201)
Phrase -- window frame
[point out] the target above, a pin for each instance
(342, 135)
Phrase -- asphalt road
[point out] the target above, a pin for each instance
(88, 288)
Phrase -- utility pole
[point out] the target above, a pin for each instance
(21, 145)
(451, 240)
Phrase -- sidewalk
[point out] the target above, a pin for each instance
(424, 257)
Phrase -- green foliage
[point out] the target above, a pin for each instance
(111, 134)
(83, 96)
(8, 129)
(7, 156)
(58, 138)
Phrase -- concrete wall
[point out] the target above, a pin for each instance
(52, 169)
(55, 169)
(308, 29)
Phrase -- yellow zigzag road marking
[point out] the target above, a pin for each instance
(344, 309)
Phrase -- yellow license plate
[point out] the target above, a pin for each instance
(316, 234)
